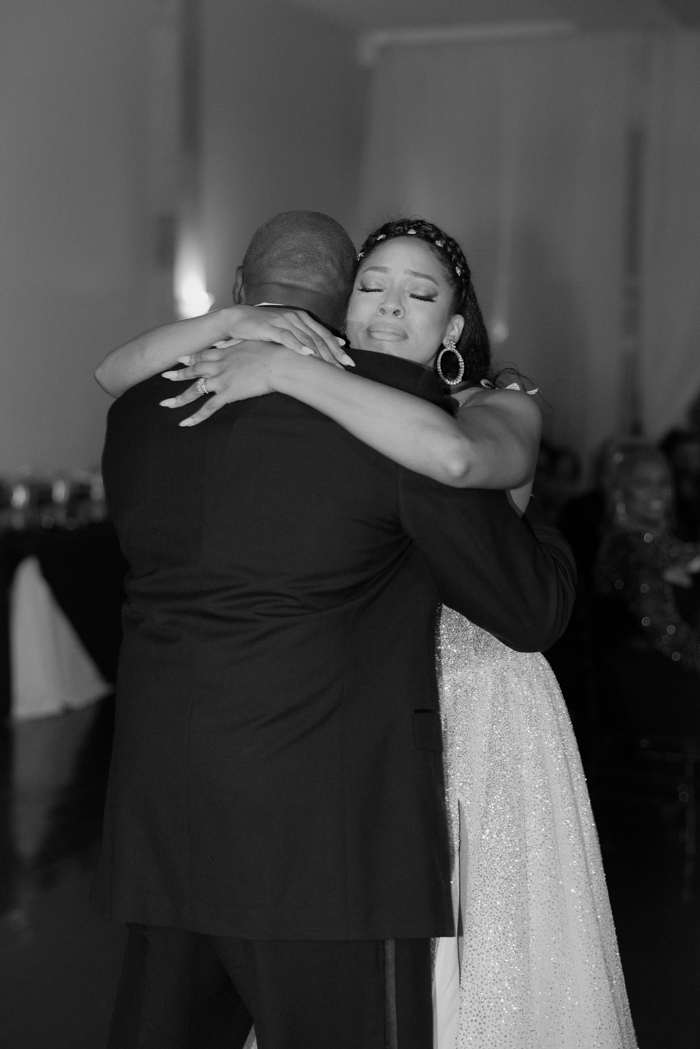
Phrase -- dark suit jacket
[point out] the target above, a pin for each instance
(277, 770)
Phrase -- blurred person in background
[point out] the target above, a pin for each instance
(648, 611)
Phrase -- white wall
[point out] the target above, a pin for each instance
(283, 112)
(521, 149)
(73, 243)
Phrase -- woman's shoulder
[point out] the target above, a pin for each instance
(513, 400)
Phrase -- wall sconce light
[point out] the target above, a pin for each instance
(499, 331)
(191, 296)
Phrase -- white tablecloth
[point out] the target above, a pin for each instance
(50, 670)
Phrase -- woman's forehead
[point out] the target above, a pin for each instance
(405, 252)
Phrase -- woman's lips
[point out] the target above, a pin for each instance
(386, 332)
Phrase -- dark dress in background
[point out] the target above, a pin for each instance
(647, 636)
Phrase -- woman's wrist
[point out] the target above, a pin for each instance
(289, 372)
(229, 317)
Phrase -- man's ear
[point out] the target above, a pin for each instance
(238, 292)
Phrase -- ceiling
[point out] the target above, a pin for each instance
(370, 16)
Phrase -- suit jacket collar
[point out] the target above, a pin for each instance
(401, 374)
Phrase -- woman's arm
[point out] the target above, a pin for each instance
(150, 353)
(504, 424)
(492, 443)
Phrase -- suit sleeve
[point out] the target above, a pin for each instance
(513, 576)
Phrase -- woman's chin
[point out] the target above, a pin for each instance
(395, 348)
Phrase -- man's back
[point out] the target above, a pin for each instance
(279, 633)
(277, 770)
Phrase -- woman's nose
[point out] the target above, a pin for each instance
(391, 306)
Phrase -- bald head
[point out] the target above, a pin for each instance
(301, 255)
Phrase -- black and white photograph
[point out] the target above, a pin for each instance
(350, 524)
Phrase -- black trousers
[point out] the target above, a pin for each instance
(184, 990)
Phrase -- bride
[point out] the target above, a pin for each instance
(535, 962)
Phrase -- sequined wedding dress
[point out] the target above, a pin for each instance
(540, 967)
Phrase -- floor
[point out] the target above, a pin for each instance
(60, 961)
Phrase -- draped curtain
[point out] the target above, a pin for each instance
(520, 149)
(671, 307)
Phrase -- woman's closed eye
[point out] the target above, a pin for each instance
(429, 297)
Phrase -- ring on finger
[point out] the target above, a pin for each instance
(201, 386)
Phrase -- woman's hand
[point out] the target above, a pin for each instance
(693, 566)
(231, 373)
(681, 574)
(234, 372)
(677, 575)
(163, 347)
(295, 329)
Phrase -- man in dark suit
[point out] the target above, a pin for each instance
(275, 832)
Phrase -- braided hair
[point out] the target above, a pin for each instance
(474, 341)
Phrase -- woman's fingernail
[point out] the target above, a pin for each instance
(348, 360)
(184, 360)
(186, 422)
(170, 403)
(341, 342)
(170, 375)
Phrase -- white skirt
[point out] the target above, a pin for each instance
(536, 965)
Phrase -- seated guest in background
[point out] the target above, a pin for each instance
(649, 610)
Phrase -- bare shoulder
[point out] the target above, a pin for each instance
(513, 404)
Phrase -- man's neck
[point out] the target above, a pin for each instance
(326, 307)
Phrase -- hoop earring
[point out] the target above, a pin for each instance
(450, 347)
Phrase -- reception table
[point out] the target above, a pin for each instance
(84, 570)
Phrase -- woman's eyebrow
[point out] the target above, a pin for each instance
(413, 273)
(426, 276)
